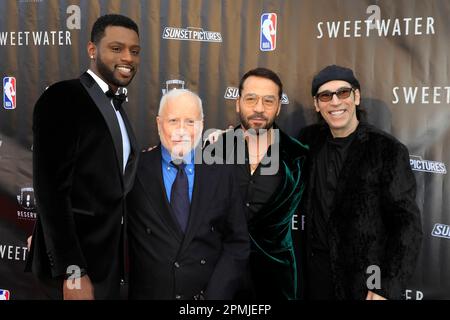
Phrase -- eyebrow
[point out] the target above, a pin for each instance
(115, 42)
(262, 95)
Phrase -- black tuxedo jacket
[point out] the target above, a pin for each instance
(210, 259)
(80, 184)
(374, 219)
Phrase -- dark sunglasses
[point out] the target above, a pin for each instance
(341, 93)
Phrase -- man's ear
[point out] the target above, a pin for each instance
(91, 50)
(357, 97)
(279, 109)
(158, 123)
(238, 108)
(316, 105)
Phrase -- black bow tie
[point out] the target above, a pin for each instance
(118, 99)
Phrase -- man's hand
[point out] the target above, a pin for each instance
(374, 296)
(78, 291)
(29, 242)
(149, 149)
(214, 136)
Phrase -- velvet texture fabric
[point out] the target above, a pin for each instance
(374, 218)
(273, 267)
(80, 185)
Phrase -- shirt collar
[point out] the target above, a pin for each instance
(188, 159)
(103, 85)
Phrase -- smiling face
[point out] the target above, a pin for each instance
(180, 125)
(259, 115)
(339, 114)
(116, 56)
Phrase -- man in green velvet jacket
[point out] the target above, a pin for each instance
(269, 173)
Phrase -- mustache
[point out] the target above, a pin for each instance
(257, 116)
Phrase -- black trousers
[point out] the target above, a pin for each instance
(319, 281)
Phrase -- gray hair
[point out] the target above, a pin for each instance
(176, 93)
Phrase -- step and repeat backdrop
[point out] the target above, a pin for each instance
(399, 51)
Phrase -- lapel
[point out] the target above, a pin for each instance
(150, 177)
(198, 204)
(104, 105)
(131, 165)
(292, 156)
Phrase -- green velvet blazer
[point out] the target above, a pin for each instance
(272, 259)
(273, 267)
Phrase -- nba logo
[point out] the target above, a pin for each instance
(9, 93)
(4, 294)
(268, 32)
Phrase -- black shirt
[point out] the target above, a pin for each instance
(329, 163)
(257, 189)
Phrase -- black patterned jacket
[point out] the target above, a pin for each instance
(374, 218)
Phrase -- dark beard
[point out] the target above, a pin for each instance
(246, 124)
(108, 75)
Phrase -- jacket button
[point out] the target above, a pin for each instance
(203, 261)
(176, 264)
(247, 204)
(178, 296)
(212, 228)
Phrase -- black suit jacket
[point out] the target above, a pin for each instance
(374, 218)
(79, 184)
(209, 260)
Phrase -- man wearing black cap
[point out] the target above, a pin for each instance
(362, 223)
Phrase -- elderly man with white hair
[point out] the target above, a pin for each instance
(188, 236)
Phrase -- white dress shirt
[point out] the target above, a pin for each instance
(123, 130)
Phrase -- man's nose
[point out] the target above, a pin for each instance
(126, 56)
(181, 129)
(335, 100)
(259, 106)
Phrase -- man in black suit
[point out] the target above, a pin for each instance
(84, 162)
(362, 223)
(187, 231)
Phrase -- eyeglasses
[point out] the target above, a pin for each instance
(341, 93)
(252, 99)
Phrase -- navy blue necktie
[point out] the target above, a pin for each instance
(179, 196)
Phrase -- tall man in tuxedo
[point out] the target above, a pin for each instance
(187, 230)
(84, 161)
